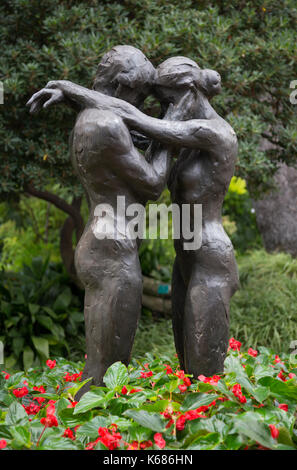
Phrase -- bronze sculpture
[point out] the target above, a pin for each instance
(108, 164)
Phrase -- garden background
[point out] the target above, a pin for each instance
(43, 208)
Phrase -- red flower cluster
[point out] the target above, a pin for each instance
(283, 406)
(20, 392)
(133, 390)
(135, 445)
(236, 390)
(252, 352)
(40, 389)
(72, 377)
(6, 375)
(168, 369)
(159, 441)
(209, 380)
(50, 419)
(51, 364)
(68, 433)
(31, 409)
(234, 344)
(3, 444)
(108, 437)
(145, 375)
(273, 431)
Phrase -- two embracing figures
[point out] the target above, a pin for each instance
(191, 149)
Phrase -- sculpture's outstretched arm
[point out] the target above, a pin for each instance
(195, 133)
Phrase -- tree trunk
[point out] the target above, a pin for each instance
(73, 223)
(277, 213)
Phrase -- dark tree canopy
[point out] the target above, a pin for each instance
(251, 44)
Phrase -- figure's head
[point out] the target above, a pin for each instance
(126, 73)
(177, 74)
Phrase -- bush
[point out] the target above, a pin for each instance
(38, 311)
(153, 405)
(263, 311)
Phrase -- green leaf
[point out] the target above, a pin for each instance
(21, 436)
(255, 429)
(148, 420)
(90, 429)
(16, 414)
(5, 431)
(281, 389)
(195, 400)
(41, 345)
(116, 376)
(57, 443)
(28, 357)
(89, 401)
(63, 300)
(70, 420)
(205, 442)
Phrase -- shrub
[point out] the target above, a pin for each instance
(153, 405)
(38, 311)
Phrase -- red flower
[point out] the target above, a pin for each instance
(180, 374)
(234, 344)
(192, 414)
(50, 419)
(135, 390)
(145, 375)
(291, 375)
(51, 364)
(283, 406)
(6, 375)
(180, 423)
(282, 376)
(210, 380)
(40, 389)
(72, 404)
(146, 444)
(31, 409)
(159, 441)
(168, 369)
(187, 381)
(236, 390)
(183, 388)
(109, 438)
(68, 433)
(20, 392)
(273, 431)
(72, 377)
(124, 390)
(252, 352)
(3, 444)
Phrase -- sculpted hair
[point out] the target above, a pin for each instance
(183, 72)
(124, 65)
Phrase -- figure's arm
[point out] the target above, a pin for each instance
(195, 133)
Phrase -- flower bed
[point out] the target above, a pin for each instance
(153, 405)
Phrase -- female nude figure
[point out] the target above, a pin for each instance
(109, 165)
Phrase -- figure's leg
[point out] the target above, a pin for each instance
(206, 327)
(112, 311)
(178, 295)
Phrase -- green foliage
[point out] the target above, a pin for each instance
(239, 210)
(145, 406)
(251, 44)
(39, 314)
(263, 311)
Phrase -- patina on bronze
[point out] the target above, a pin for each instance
(108, 164)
